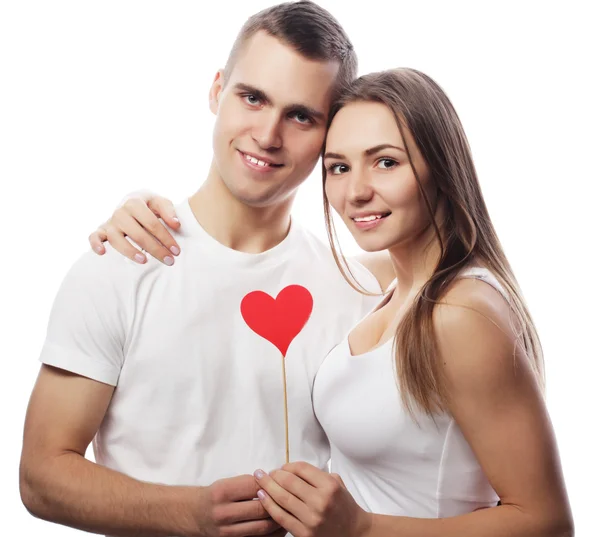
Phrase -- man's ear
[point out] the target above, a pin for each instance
(216, 89)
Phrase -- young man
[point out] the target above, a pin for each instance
(175, 374)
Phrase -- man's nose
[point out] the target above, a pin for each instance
(267, 133)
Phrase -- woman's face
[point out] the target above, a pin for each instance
(369, 180)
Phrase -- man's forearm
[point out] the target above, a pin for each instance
(73, 491)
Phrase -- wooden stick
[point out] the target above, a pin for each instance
(285, 406)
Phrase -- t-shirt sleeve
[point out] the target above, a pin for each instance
(87, 329)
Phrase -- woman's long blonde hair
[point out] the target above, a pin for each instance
(466, 235)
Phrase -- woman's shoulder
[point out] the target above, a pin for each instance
(475, 289)
(473, 326)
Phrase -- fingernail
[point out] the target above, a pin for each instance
(259, 474)
(175, 219)
(261, 494)
(168, 260)
(99, 249)
(174, 250)
(140, 258)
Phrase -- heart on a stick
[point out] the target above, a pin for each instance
(278, 320)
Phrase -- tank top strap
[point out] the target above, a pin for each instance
(486, 275)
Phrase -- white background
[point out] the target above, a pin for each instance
(98, 99)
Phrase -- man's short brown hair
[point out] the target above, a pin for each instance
(306, 27)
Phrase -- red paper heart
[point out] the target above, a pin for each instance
(281, 319)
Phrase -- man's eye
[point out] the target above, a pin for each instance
(251, 99)
(302, 118)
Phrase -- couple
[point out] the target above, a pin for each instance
(427, 399)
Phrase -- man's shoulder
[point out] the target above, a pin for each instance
(310, 242)
(315, 252)
(108, 273)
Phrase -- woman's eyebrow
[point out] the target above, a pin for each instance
(367, 152)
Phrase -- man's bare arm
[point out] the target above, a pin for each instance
(59, 484)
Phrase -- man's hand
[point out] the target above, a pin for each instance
(235, 510)
(58, 484)
(138, 219)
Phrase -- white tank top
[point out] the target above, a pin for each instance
(391, 463)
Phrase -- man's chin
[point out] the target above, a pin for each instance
(256, 200)
(256, 197)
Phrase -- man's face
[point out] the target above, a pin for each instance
(271, 118)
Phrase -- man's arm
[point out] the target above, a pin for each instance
(83, 356)
(60, 485)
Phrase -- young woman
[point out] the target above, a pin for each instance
(433, 404)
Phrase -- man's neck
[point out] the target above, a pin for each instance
(236, 225)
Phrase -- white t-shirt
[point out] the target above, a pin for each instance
(391, 464)
(199, 394)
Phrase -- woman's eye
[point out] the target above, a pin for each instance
(386, 163)
(338, 169)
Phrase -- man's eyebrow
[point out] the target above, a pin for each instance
(305, 111)
(254, 91)
(367, 152)
(298, 108)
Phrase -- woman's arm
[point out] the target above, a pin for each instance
(496, 401)
(137, 218)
